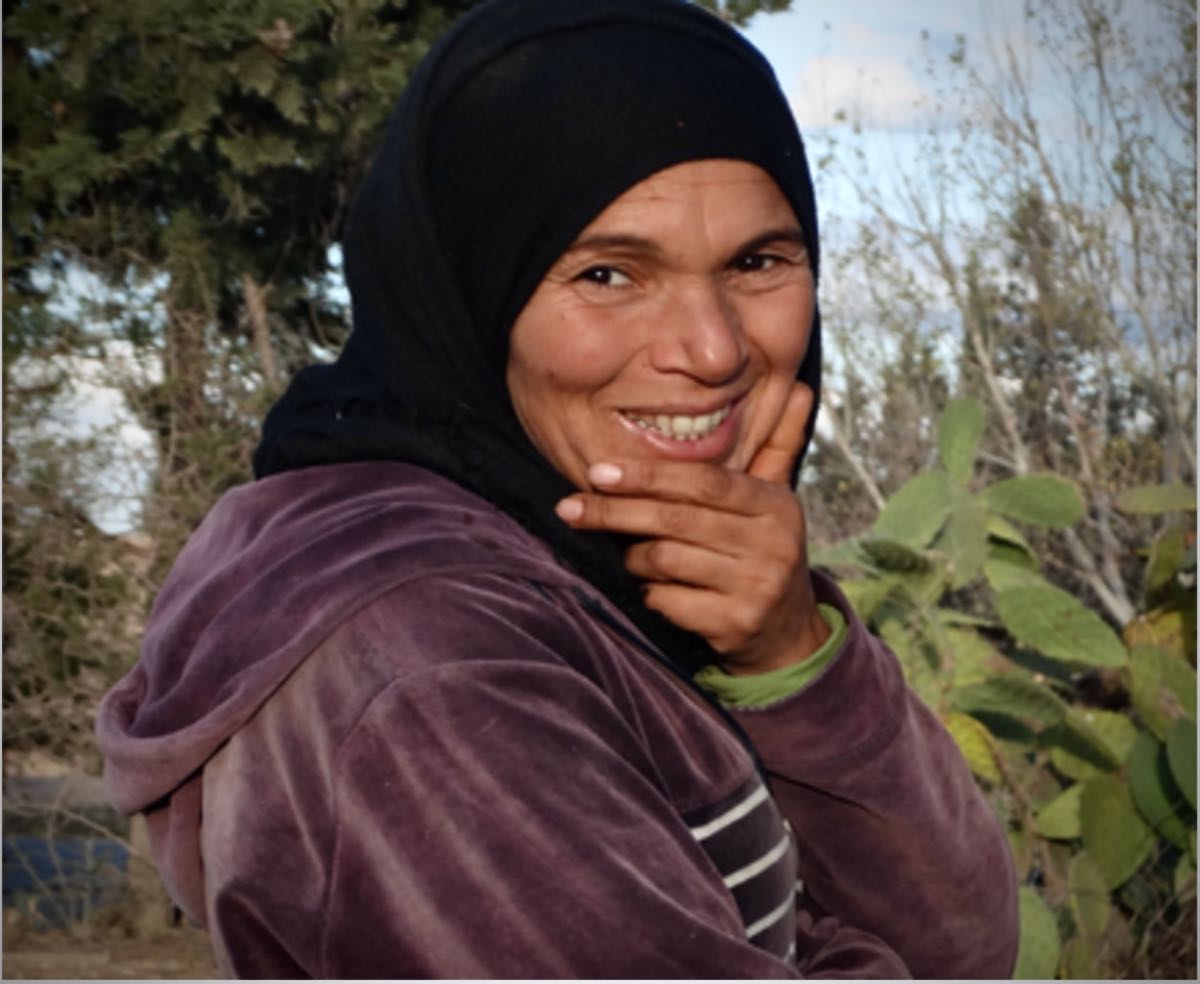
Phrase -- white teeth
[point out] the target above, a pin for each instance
(683, 427)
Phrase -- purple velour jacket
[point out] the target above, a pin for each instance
(379, 731)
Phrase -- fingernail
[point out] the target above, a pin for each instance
(569, 509)
(603, 473)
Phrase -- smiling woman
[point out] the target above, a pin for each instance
(672, 327)
(511, 662)
(671, 331)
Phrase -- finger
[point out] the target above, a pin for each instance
(695, 609)
(684, 521)
(735, 627)
(685, 563)
(727, 623)
(774, 460)
(694, 482)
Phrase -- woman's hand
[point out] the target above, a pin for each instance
(725, 553)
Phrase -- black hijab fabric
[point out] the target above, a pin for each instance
(518, 128)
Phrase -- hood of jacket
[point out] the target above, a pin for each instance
(272, 570)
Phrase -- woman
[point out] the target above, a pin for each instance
(489, 673)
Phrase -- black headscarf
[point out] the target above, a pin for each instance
(518, 128)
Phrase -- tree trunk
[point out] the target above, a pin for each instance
(260, 328)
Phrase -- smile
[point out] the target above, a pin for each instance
(679, 426)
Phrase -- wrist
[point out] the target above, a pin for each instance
(756, 690)
(806, 639)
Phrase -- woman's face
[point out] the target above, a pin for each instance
(672, 328)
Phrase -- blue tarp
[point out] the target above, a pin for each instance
(64, 879)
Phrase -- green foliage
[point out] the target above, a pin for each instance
(964, 538)
(1040, 946)
(1090, 902)
(1154, 499)
(1155, 790)
(1099, 798)
(958, 438)
(976, 744)
(1054, 623)
(1162, 688)
(142, 133)
(1044, 500)
(894, 557)
(1019, 696)
(1113, 832)
(1168, 554)
(1059, 819)
(740, 11)
(916, 512)
(1181, 755)
(73, 605)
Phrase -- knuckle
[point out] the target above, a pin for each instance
(655, 598)
(763, 573)
(782, 540)
(654, 476)
(760, 584)
(636, 560)
(715, 483)
(644, 559)
(660, 555)
(600, 509)
(743, 619)
(791, 553)
(637, 474)
(674, 518)
(777, 593)
(785, 506)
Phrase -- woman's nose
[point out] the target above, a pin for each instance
(701, 335)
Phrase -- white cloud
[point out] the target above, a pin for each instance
(833, 90)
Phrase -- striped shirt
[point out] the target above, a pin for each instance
(752, 847)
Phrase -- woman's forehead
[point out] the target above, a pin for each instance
(731, 196)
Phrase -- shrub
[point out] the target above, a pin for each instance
(1084, 739)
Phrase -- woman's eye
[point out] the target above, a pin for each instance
(604, 276)
(756, 262)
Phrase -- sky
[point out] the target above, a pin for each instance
(834, 55)
(865, 59)
(869, 58)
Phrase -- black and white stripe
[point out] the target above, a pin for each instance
(752, 847)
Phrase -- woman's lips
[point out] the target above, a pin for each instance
(694, 437)
(680, 426)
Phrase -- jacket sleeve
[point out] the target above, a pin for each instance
(894, 835)
(485, 818)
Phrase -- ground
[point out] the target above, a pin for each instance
(140, 937)
(106, 953)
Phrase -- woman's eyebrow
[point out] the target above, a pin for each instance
(628, 241)
(787, 234)
(613, 240)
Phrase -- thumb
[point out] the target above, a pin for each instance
(774, 460)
